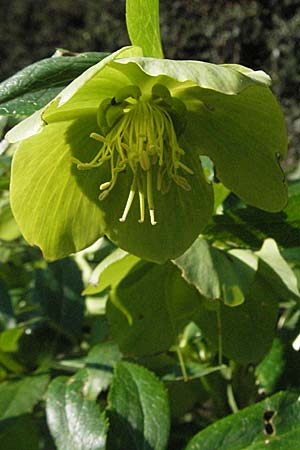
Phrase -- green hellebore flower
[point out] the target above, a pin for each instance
(117, 153)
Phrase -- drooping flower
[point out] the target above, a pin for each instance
(117, 152)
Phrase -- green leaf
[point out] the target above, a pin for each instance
(247, 330)
(75, 422)
(276, 271)
(271, 368)
(218, 274)
(110, 271)
(249, 429)
(19, 397)
(250, 226)
(99, 364)
(139, 410)
(9, 339)
(142, 20)
(7, 319)
(133, 317)
(9, 229)
(19, 433)
(33, 87)
(58, 291)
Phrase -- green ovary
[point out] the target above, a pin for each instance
(140, 136)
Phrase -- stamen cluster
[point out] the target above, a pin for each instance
(139, 133)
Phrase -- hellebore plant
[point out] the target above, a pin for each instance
(118, 153)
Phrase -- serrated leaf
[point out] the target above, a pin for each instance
(75, 422)
(33, 87)
(148, 291)
(139, 410)
(142, 20)
(18, 397)
(249, 429)
(99, 364)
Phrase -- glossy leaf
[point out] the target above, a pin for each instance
(33, 87)
(139, 410)
(99, 364)
(133, 317)
(250, 429)
(75, 422)
(18, 397)
(142, 20)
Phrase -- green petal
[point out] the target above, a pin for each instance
(57, 207)
(52, 201)
(228, 79)
(180, 215)
(86, 92)
(82, 96)
(245, 136)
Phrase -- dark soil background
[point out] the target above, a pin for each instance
(261, 34)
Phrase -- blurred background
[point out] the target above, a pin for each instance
(261, 34)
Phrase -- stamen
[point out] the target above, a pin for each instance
(139, 134)
(129, 202)
(150, 198)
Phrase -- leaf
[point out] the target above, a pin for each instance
(142, 20)
(110, 271)
(271, 368)
(9, 339)
(18, 397)
(248, 329)
(75, 422)
(58, 291)
(249, 429)
(150, 291)
(7, 319)
(139, 410)
(19, 433)
(218, 274)
(250, 226)
(99, 364)
(9, 229)
(276, 271)
(33, 87)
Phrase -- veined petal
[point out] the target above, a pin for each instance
(87, 91)
(54, 203)
(90, 92)
(245, 136)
